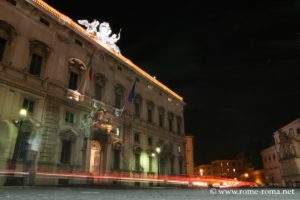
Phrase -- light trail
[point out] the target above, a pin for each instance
(127, 177)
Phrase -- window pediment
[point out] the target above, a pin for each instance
(100, 79)
(119, 88)
(68, 134)
(8, 31)
(77, 63)
(40, 48)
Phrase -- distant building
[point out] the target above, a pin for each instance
(75, 89)
(271, 166)
(287, 145)
(237, 168)
(203, 170)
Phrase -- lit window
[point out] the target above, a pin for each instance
(179, 149)
(36, 65)
(69, 117)
(2, 48)
(117, 131)
(73, 80)
(28, 105)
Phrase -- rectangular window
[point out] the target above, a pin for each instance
(161, 117)
(149, 115)
(137, 138)
(170, 124)
(118, 100)
(116, 160)
(79, 43)
(98, 92)
(2, 48)
(65, 152)
(69, 117)
(137, 161)
(178, 128)
(36, 64)
(150, 141)
(13, 2)
(44, 21)
(28, 105)
(179, 149)
(73, 81)
(137, 109)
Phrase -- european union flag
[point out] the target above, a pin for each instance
(131, 93)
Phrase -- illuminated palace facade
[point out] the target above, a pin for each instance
(77, 121)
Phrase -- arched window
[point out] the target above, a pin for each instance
(7, 33)
(39, 53)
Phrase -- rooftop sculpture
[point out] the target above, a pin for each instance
(103, 33)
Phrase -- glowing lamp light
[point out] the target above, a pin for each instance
(246, 175)
(23, 112)
(153, 154)
(157, 149)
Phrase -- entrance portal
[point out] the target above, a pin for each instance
(95, 157)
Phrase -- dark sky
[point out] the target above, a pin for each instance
(236, 63)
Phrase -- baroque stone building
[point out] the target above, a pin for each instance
(287, 145)
(78, 121)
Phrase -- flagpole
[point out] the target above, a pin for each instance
(130, 96)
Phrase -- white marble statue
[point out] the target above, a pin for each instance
(103, 33)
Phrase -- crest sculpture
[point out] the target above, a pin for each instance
(103, 33)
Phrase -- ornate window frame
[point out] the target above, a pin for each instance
(41, 49)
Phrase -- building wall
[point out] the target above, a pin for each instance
(287, 144)
(272, 172)
(190, 155)
(224, 168)
(58, 43)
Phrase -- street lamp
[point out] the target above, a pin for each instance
(23, 115)
(158, 160)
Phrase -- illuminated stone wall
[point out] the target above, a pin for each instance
(32, 27)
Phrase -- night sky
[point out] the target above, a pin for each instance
(236, 63)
